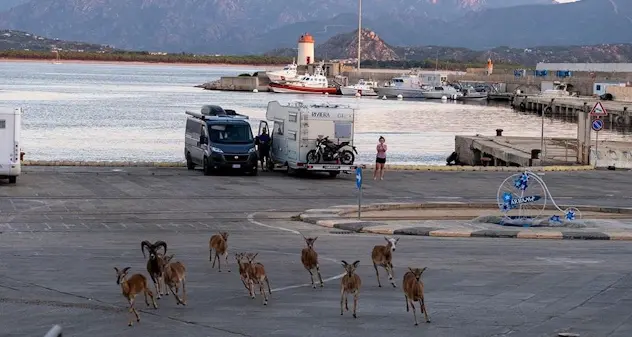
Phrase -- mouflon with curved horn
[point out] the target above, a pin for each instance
(156, 264)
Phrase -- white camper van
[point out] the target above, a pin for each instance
(311, 137)
(10, 123)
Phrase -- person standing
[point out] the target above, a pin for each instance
(380, 159)
(263, 142)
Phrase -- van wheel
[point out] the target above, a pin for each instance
(207, 167)
(190, 165)
(13, 180)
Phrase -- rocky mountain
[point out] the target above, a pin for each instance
(344, 46)
(18, 40)
(254, 26)
(8, 4)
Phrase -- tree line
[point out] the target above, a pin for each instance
(145, 57)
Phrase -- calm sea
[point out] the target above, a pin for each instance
(79, 111)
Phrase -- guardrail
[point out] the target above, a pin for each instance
(55, 331)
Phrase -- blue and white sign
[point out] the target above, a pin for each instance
(597, 125)
(359, 177)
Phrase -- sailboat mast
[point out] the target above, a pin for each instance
(359, 29)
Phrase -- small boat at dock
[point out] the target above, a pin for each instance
(288, 73)
(307, 84)
(438, 92)
(364, 88)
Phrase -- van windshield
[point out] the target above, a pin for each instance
(230, 133)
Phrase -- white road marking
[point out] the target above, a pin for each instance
(251, 219)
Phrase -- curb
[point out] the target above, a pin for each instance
(391, 167)
(332, 218)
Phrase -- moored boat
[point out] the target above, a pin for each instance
(364, 88)
(288, 73)
(308, 84)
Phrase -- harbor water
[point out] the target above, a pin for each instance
(131, 112)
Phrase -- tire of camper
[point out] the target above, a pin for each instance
(347, 157)
(313, 157)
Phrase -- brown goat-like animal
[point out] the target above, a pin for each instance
(156, 264)
(219, 242)
(257, 274)
(414, 291)
(350, 284)
(175, 275)
(243, 272)
(309, 258)
(383, 256)
(131, 287)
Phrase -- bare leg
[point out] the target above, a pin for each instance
(355, 303)
(184, 292)
(342, 301)
(412, 305)
(377, 273)
(311, 276)
(375, 171)
(423, 309)
(226, 259)
(381, 171)
(320, 278)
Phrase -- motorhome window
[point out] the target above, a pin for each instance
(293, 118)
(291, 135)
(343, 130)
(278, 128)
(230, 133)
(3, 124)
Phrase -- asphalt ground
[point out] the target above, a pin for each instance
(64, 229)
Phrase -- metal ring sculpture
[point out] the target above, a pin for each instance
(524, 196)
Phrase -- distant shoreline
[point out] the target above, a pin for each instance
(188, 64)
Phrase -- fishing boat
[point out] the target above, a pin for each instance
(364, 88)
(308, 84)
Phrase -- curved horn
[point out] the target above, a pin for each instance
(162, 244)
(143, 245)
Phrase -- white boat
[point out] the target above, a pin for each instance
(409, 86)
(439, 92)
(364, 88)
(287, 74)
(559, 90)
(308, 84)
(471, 94)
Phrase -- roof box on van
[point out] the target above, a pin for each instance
(216, 111)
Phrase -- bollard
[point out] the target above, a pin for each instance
(55, 331)
(499, 132)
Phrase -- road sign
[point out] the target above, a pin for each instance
(598, 110)
(597, 125)
(359, 177)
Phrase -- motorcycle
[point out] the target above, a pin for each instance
(329, 151)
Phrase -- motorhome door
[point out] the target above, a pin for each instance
(279, 143)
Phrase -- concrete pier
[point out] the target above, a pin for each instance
(527, 151)
(619, 113)
(239, 83)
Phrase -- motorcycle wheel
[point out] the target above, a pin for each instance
(347, 157)
(313, 157)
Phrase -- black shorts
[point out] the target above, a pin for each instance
(380, 160)
(264, 153)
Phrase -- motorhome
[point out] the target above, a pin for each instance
(299, 130)
(219, 139)
(10, 125)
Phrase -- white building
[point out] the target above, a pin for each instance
(586, 67)
(305, 50)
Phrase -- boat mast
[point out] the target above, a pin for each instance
(359, 29)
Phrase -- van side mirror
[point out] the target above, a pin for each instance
(202, 139)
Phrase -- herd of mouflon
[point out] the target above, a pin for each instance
(170, 276)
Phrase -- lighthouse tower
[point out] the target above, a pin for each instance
(490, 66)
(305, 50)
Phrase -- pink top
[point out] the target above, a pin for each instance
(381, 151)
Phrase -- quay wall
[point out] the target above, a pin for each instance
(623, 94)
(529, 84)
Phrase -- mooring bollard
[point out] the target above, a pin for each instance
(55, 331)
(499, 132)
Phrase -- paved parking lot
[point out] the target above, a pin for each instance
(63, 231)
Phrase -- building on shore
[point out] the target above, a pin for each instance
(305, 50)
